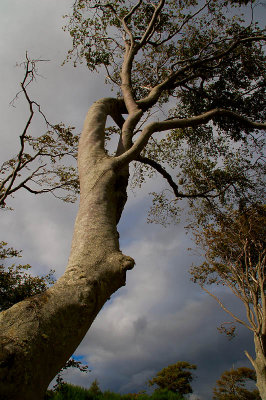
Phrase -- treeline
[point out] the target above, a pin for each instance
(72, 392)
(172, 383)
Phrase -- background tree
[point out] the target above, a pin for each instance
(16, 284)
(210, 64)
(235, 253)
(95, 388)
(176, 378)
(60, 384)
(232, 385)
(42, 164)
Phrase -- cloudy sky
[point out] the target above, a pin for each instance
(160, 317)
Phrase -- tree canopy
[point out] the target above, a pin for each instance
(234, 248)
(176, 67)
(232, 385)
(180, 65)
(176, 378)
(235, 253)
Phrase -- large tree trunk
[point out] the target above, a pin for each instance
(39, 334)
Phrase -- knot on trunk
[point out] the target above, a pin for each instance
(127, 263)
(121, 261)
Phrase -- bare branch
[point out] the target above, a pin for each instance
(240, 321)
(172, 184)
(250, 359)
(64, 144)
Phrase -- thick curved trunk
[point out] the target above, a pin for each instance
(39, 334)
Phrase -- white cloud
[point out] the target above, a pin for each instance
(195, 397)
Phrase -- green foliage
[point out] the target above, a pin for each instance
(175, 378)
(15, 283)
(113, 396)
(211, 57)
(94, 388)
(231, 385)
(71, 392)
(184, 30)
(210, 169)
(60, 384)
(164, 394)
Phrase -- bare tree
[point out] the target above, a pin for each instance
(42, 163)
(235, 253)
(157, 54)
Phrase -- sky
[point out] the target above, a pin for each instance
(159, 317)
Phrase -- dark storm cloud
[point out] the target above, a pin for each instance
(159, 318)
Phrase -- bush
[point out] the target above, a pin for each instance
(114, 396)
(164, 394)
(72, 392)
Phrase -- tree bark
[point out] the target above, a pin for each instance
(39, 334)
(259, 365)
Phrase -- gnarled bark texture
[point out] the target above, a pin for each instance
(259, 363)
(39, 334)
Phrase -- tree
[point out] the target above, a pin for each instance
(235, 253)
(42, 163)
(15, 283)
(176, 378)
(95, 388)
(231, 385)
(60, 384)
(192, 54)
